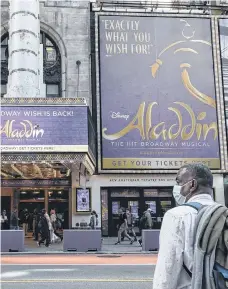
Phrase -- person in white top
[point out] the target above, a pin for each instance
(194, 183)
(4, 221)
(54, 234)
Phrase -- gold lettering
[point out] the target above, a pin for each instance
(139, 118)
(27, 131)
(163, 132)
(175, 135)
(184, 134)
(149, 131)
(37, 132)
(206, 129)
(198, 130)
(14, 133)
(149, 118)
(199, 126)
(5, 128)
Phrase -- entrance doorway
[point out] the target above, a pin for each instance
(33, 200)
(58, 200)
(123, 198)
(116, 205)
(137, 200)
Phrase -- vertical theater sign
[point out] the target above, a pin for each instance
(223, 31)
(157, 93)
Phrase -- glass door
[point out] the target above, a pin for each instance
(122, 198)
(116, 205)
(160, 201)
(134, 210)
(114, 220)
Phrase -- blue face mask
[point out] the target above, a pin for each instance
(179, 198)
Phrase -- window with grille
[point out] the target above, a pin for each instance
(51, 65)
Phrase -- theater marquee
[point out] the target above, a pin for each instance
(157, 93)
(44, 129)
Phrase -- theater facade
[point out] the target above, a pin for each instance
(47, 150)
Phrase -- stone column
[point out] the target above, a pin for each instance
(24, 42)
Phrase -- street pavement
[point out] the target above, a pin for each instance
(107, 246)
(81, 272)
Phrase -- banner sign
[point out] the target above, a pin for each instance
(158, 102)
(35, 183)
(44, 129)
(223, 29)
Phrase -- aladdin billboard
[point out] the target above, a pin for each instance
(44, 129)
(157, 93)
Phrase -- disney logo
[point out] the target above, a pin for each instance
(119, 115)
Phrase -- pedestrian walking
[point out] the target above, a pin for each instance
(14, 219)
(4, 221)
(54, 222)
(123, 228)
(36, 219)
(130, 224)
(196, 225)
(51, 230)
(30, 222)
(44, 229)
(24, 220)
(93, 220)
(146, 222)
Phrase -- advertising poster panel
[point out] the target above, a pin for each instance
(83, 200)
(44, 129)
(223, 30)
(157, 93)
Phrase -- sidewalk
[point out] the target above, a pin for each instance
(79, 260)
(108, 247)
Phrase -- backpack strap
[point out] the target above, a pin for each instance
(194, 205)
(187, 270)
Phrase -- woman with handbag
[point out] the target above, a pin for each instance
(54, 222)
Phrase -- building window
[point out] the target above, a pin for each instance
(52, 90)
(4, 64)
(51, 65)
(4, 49)
(3, 89)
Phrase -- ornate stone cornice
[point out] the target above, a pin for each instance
(43, 101)
(71, 159)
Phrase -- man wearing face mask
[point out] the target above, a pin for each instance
(194, 183)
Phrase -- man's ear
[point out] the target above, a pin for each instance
(194, 184)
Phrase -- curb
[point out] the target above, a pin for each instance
(78, 253)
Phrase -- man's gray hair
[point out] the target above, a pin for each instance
(201, 173)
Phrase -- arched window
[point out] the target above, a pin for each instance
(51, 65)
(4, 64)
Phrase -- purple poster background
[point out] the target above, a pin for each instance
(83, 200)
(43, 128)
(158, 107)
